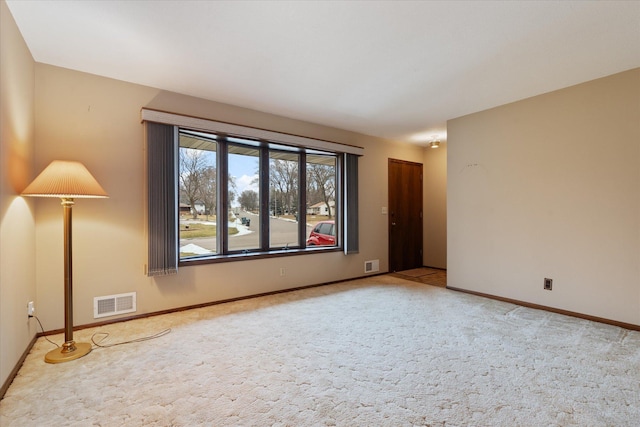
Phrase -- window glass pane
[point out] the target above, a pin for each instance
(244, 203)
(283, 199)
(197, 195)
(321, 199)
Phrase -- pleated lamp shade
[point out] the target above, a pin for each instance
(65, 179)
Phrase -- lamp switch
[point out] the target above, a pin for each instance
(31, 309)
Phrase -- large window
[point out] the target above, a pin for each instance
(223, 192)
(232, 202)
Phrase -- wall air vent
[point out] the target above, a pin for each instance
(111, 305)
(372, 266)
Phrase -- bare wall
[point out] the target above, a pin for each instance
(17, 237)
(435, 206)
(550, 187)
(97, 121)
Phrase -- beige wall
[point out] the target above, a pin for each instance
(435, 206)
(550, 187)
(17, 239)
(97, 121)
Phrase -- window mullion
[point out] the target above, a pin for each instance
(302, 200)
(222, 211)
(264, 197)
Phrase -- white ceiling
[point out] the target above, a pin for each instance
(394, 69)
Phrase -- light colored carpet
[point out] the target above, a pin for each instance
(381, 351)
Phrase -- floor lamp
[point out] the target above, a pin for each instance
(67, 180)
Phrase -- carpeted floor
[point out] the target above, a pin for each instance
(381, 351)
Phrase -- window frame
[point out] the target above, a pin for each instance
(265, 148)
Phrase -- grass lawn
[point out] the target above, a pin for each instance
(198, 230)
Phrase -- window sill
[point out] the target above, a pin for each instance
(215, 259)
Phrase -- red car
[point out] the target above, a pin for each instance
(323, 234)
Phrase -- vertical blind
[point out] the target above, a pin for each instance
(351, 245)
(162, 199)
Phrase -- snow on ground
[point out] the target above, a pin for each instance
(195, 249)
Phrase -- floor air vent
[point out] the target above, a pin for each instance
(111, 305)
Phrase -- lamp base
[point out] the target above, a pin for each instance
(69, 351)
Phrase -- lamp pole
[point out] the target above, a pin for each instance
(70, 349)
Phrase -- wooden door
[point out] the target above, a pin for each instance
(405, 215)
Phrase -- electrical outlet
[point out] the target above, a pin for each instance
(31, 309)
(548, 284)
